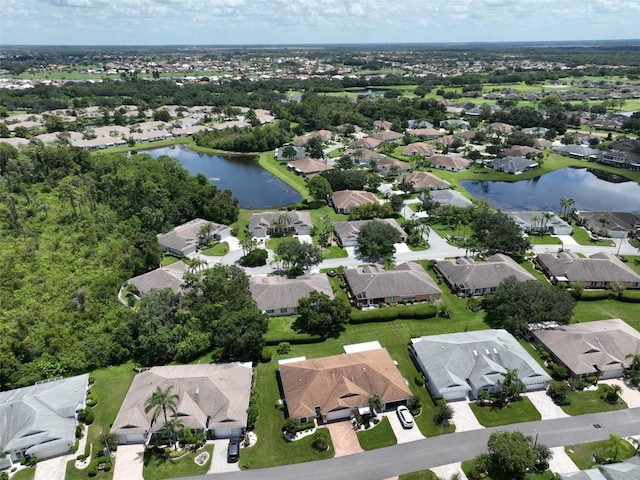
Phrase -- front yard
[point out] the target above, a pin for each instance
(515, 412)
(378, 436)
(157, 467)
(590, 401)
(584, 453)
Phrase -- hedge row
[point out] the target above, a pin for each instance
(293, 339)
(589, 295)
(387, 314)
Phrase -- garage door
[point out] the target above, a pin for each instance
(135, 438)
(338, 414)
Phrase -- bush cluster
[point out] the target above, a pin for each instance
(92, 471)
(387, 314)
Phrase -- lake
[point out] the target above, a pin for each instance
(253, 186)
(591, 189)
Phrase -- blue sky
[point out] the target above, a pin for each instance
(233, 22)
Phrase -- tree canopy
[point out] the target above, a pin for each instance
(320, 315)
(377, 239)
(515, 452)
(496, 232)
(514, 304)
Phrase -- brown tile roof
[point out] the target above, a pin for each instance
(419, 148)
(447, 161)
(428, 180)
(307, 166)
(341, 381)
(352, 198)
(599, 267)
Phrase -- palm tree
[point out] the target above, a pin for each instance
(534, 220)
(616, 443)
(374, 403)
(564, 206)
(611, 393)
(635, 364)
(546, 216)
(171, 430)
(161, 401)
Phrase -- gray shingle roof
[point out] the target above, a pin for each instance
(475, 359)
(161, 278)
(185, 236)
(588, 347)
(272, 293)
(407, 280)
(466, 272)
(599, 267)
(41, 413)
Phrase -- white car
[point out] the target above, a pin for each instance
(405, 417)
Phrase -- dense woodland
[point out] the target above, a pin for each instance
(73, 228)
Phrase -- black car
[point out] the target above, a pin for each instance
(233, 450)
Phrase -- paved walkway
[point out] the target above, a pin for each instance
(128, 465)
(447, 471)
(56, 468)
(463, 417)
(561, 462)
(345, 440)
(403, 435)
(219, 462)
(543, 403)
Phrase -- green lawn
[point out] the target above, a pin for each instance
(582, 453)
(633, 262)
(111, 386)
(273, 242)
(590, 402)
(377, 437)
(157, 468)
(586, 311)
(420, 475)
(24, 474)
(169, 258)
(515, 412)
(581, 236)
(468, 466)
(218, 249)
(544, 240)
(270, 164)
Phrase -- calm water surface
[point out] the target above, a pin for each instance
(253, 186)
(543, 193)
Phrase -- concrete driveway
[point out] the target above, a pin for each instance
(403, 435)
(129, 462)
(449, 470)
(219, 461)
(630, 394)
(561, 462)
(345, 440)
(543, 403)
(463, 417)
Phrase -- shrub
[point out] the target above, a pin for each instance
(321, 441)
(266, 355)
(558, 391)
(74, 447)
(414, 405)
(558, 372)
(92, 380)
(255, 258)
(443, 414)
(290, 426)
(86, 416)
(419, 380)
(92, 400)
(284, 348)
(79, 431)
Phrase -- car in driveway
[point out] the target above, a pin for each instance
(405, 417)
(233, 450)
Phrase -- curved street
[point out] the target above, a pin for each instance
(445, 449)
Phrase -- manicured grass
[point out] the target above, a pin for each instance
(515, 412)
(377, 437)
(334, 252)
(420, 475)
(544, 240)
(273, 242)
(216, 250)
(587, 311)
(24, 474)
(168, 259)
(280, 330)
(581, 235)
(583, 452)
(468, 466)
(590, 402)
(111, 386)
(633, 262)
(156, 467)
(270, 164)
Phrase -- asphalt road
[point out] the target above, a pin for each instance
(432, 452)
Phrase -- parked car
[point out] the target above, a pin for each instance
(405, 417)
(233, 450)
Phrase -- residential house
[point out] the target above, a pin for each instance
(626, 470)
(324, 135)
(389, 167)
(300, 152)
(611, 224)
(374, 285)
(449, 163)
(519, 151)
(40, 420)
(501, 128)
(426, 133)
(339, 387)
(530, 221)
(467, 277)
(620, 159)
(382, 125)
(387, 136)
(348, 232)
(597, 349)
(212, 399)
(582, 152)
(266, 223)
(279, 296)
(308, 167)
(461, 365)
(344, 200)
(368, 143)
(186, 238)
(450, 197)
(541, 143)
(597, 271)
(169, 276)
(426, 181)
(418, 149)
(455, 123)
(514, 165)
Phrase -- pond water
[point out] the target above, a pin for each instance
(591, 189)
(254, 187)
